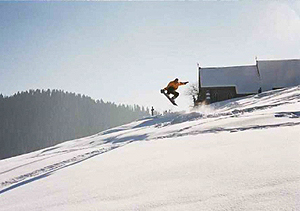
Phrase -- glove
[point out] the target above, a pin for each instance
(186, 82)
(162, 91)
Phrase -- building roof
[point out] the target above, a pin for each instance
(267, 74)
(279, 73)
(244, 78)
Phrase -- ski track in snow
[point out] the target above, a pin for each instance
(53, 167)
(179, 124)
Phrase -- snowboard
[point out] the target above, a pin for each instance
(165, 94)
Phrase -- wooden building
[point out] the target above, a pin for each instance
(222, 83)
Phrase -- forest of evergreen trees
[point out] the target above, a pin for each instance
(36, 119)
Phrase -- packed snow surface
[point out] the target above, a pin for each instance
(241, 154)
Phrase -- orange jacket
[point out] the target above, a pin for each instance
(174, 84)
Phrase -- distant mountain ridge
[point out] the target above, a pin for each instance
(36, 119)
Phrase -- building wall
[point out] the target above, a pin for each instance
(217, 94)
(221, 93)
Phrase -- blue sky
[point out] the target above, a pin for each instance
(125, 52)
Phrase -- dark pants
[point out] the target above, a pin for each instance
(171, 90)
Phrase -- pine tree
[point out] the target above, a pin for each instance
(37, 119)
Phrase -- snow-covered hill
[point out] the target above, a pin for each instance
(237, 155)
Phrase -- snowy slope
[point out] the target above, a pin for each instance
(237, 155)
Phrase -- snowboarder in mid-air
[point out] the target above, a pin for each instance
(171, 89)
